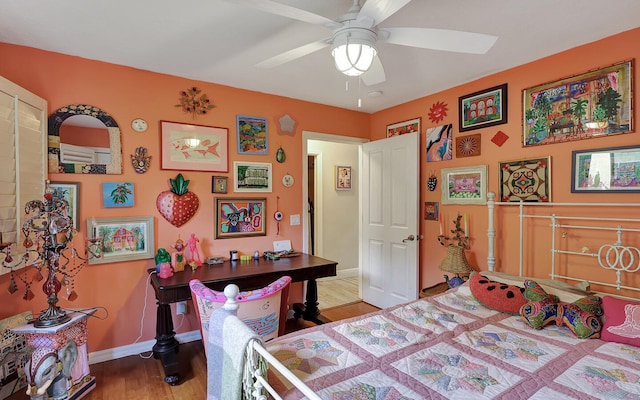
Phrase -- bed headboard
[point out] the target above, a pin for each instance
(598, 242)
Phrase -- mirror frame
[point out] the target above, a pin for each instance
(55, 121)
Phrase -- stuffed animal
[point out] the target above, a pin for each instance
(582, 317)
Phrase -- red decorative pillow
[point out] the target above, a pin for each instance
(622, 321)
(495, 295)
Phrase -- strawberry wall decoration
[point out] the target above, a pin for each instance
(177, 205)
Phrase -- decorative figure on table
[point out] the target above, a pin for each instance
(192, 245)
(455, 261)
(46, 379)
(177, 257)
(163, 263)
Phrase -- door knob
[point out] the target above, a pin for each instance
(409, 238)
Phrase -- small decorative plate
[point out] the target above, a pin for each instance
(287, 180)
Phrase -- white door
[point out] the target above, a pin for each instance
(390, 214)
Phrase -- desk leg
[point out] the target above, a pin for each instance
(309, 310)
(166, 347)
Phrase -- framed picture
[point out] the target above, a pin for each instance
(189, 147)
(118, 194)
(343, 177)
(253, 135)
(401, 128)
(525, 180)
(612, 170)
(431, 210)
(240, 217)
(464, 185)
(469, 146)
(124, 238)
(592, 104)
(251, 176)
(440, 143)
(219, 184)
(484, 108)
(69, 191)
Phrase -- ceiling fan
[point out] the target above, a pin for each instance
(356, 33)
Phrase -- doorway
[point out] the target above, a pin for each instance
(331, 217)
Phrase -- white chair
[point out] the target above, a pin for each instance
(263, 310)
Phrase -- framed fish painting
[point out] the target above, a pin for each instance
(193, 147)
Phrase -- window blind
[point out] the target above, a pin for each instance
(23, 166)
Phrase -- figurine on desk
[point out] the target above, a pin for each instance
(177, 257)
(192, 245)
(163, 263)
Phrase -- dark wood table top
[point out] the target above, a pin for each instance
(248, 275)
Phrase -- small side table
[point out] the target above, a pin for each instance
(434, 290)
(55, 337)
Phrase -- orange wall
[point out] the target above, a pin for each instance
(128, 93)
(581, 59)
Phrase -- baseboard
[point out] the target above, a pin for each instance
(344, 273)
(137, 348)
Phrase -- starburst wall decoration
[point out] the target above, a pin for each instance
(192, 102)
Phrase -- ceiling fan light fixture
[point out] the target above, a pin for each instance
(353, 50)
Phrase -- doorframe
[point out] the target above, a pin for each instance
(326, 137)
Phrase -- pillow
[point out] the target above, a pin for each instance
(565, 291)
(581, 316)
(622, 321)
(495, 295)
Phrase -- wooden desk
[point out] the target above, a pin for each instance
(249, 275)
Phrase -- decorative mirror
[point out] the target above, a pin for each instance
(84, 139)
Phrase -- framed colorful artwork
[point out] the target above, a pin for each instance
(440, 143)
(219, 184)
(118, 194)
(482, 109)
(69, 191)
(343, 177)
(253, 135)
(431, 210)
(251, 176)
(469, 146)
(525, 180)
(123, 239)
(401, 128)
(593, 104)
(464, 185)
(240, 217)
(189, 147)
(611, 170)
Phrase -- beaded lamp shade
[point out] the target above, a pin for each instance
(455, 261)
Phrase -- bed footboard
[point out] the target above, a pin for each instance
(255, 383)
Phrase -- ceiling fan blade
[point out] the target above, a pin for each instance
(284, 10)
(375, 74)
(379, 10)
(439, 39)
(293, 54)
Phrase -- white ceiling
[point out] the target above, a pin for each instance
(219, 41)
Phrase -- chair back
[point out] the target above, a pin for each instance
(263, 310)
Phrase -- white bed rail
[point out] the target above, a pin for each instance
(260, 383)
(614, 255)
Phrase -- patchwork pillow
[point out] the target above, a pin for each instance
(622, 321)
(581, 316)
(495, 295)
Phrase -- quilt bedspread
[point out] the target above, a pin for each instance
(451, 347)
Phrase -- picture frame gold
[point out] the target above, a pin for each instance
(527, 180)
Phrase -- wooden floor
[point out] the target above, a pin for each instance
(138, 378)
(333, 292)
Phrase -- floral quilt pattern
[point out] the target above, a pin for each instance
(450, 346)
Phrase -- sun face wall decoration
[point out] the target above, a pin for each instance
(437, 112)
